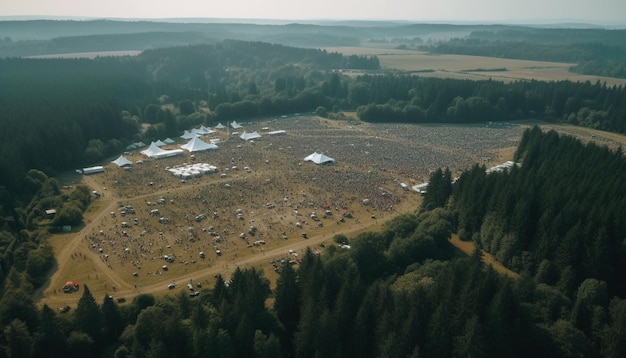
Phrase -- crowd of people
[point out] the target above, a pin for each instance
(278, 194)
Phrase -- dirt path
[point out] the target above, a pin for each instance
(73, 246)
(468, 248)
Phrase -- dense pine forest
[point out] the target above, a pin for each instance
(403, 291)
(557, 220)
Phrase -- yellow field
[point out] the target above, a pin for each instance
(464, 67)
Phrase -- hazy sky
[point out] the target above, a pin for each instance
(417, 10)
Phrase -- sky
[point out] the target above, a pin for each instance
(485, 11)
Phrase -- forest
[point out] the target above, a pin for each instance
(403, 291)
(556, 220)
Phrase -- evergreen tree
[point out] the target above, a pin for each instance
(113, 324)
(88, 316)
(49, 339)
(287, 306)
(19, 340)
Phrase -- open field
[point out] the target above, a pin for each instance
(472, 67)
(90, 55)
(123, 257)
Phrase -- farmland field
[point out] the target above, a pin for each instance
(472, 67)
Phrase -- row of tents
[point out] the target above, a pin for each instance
(195, 145)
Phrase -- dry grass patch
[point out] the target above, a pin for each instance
(473, 67)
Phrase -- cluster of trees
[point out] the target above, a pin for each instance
(412, 99)
(25, 255)
(558, 217)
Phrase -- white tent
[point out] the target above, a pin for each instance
(319, 158)
(159, 143)
(135, 145)
(168, 141)
(152, 150)
(197, 145)
(189, 135)
(220, 126)
(235, 125)
(249, 136)
(155, 152)
(122, 161)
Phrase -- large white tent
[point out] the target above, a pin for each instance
(319, 158)
(152, 150)
(197, 145)
(249, 136)
(155, 152)
(122, 161)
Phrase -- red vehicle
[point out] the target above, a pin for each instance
(70, 286)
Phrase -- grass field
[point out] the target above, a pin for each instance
(472, 67)
(277, 196)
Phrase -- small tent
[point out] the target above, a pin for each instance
(220, 126)
(319, 158)
(159, 143)
(189, 135)
(122, 161)
(168, 141)
(235, 125)
(249, 136)
(197, 145)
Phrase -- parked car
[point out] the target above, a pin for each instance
(64, 309)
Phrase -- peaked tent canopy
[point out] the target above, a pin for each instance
(248, 136)
(155, 152)
(197, 145)
(319, 158)
(189, 135)
(159, 143)
(168, 141)
(122, 161)
(152, 150)
(220, 126)
(235, 125)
